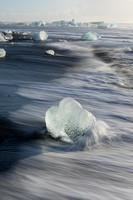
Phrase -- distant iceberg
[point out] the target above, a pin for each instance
(40, 36)
(2, 53)
(8, 37)
(68, 121)
(55, 23)
(102, 25)
(90, 36)
(113, 25)
(72, 22)
(39, 23)
(65, 23)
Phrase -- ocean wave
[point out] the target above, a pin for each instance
(31, 123)
(119, 62)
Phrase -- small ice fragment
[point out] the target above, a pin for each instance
(40, 36)
(113, 25)
(50, 52)
(2, 53)
(60, 40)
(2, 38)
(7, 32)
(8, 37)
(90, 36)
(127, 50)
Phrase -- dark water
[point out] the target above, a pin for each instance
(97, 74)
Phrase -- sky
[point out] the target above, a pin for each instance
(54, 10)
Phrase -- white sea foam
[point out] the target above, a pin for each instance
(39, 23)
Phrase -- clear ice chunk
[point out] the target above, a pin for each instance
(90, 36)
(68, 121)
(2, 38)
(50, 52)
(40, 36)
(2, 53)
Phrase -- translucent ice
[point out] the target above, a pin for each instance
(8, 37)
(2, 37)
(39, 23)
(5, 36)
(56, 23)
(102, 25)
(2, 53)
(113, 25)
(40, 36)
(72, 22)
(90, 36)
(50, 52)
(69, 121)
(7, 31)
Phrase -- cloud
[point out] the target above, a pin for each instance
(95, 10)
(21, 17)
(80, 10)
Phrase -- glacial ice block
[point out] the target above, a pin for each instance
(90, 36)
(2, 53)
(68, 121)
(40, 36)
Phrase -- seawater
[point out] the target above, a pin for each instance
(97, 74)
